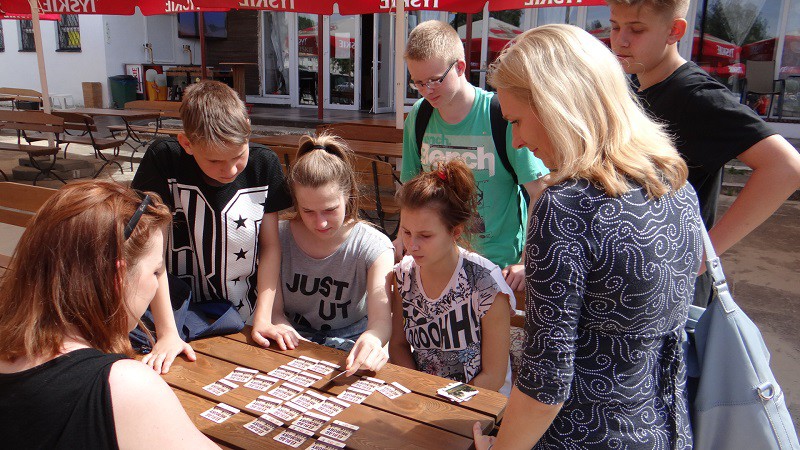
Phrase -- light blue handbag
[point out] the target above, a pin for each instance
(738, 403)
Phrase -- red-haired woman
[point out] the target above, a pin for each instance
(83, 273)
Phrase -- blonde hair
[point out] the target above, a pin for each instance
(214, 116)
(597, 128)
(434, 39)
(322, 160)
(672, 9)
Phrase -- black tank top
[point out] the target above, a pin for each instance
(64, 403)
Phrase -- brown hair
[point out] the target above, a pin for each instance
(434, 39)
(449, 189)
(322, 160)
(672, 9)
(214, 116)
(64, 273)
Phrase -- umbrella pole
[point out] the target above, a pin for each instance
(399, 64)
(201, 23)
(468, 50)
(320, 75)
(37, 41)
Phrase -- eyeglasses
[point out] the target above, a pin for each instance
(136, 216)
(431, 84)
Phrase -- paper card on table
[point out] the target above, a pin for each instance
(241, 374)
(284, 372)
(354, 395)
(261, 383)
(293, 437)
(457, 391)
(287, 411)
(263, 425)
(311, 421)
(264, 404)
(324, 367)
(393, 390)
(286, 391)
(219, 413)
(326, 443)
(220, 387)
(303, 363)
(368, 384)
(339, 430)
(309, 399)
(304, 379)
(332, 406)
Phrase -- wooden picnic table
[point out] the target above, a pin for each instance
(382, 150)
(419, 419)
(387, 123)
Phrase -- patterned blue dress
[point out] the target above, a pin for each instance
(609, 281)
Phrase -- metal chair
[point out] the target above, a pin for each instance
(759, 82)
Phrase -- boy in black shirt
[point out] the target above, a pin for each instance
(225, 195)
(709, 125)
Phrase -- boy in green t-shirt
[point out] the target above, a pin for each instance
(460, 126)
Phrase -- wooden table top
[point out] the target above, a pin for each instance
(364, 148)
(419, 419)
(128, 114)
(388, 123)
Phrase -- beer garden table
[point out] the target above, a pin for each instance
(381, 150)
(419, 419)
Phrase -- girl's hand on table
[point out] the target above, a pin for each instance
(481, 442)
(367, 354)
(164, 352)
(284, 335)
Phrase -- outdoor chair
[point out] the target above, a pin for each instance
(759, 82)
(91, 132)
(377, 187)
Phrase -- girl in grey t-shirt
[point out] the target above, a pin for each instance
(333, 266)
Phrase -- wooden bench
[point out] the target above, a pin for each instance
(18, 204)
(15, 95)
(363, 132)
(90, 134)
(30, 122)
(377, 185)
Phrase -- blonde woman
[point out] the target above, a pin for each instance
(612, 251)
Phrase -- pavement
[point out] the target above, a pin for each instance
(763, 270)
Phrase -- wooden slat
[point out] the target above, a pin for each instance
(363, 132)
(33, 150)
(490, 403)
(4, 261)
(23, 197)
(373, 423)
(31, 121)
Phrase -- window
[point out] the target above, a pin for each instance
(26, 42)
(69, 33)
(2, 42)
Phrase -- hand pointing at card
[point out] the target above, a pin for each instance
(367, 354)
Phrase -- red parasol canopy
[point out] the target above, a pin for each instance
(111, 7)
(502, 5)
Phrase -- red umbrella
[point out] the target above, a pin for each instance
(502, 5)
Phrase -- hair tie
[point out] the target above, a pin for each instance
(442, 176)
(319, 147)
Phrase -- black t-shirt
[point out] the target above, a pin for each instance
(709, 125)
(64, 403)
(214, 240)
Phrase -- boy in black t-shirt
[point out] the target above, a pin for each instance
(709, 125)
(225, 195)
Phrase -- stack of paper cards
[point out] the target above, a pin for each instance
(309, 399)
(261, 383)
(304, 379)
(303, 363)
(332, 406)
(286, 391)
(264, 404)
(311, 421)
(293, 437)
(326, 443)
(284, 372)
(323, 367)
(241, 375)
(354, 395)
(263, 425)
(219, 413)
(339, 430)
(368, 384)
(458, 392)
(393, 390)
(220, 387)
(287, 411)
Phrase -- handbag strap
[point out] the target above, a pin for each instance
(714, 267)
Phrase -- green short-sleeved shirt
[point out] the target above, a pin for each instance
(499, 234)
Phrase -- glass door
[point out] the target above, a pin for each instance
(307, 60)
(382, 62)
(342, 61)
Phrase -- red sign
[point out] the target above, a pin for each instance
(502, 5)
(324, 7)
(112, 7)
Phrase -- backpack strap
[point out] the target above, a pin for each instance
(498, 125)
(421, 123)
